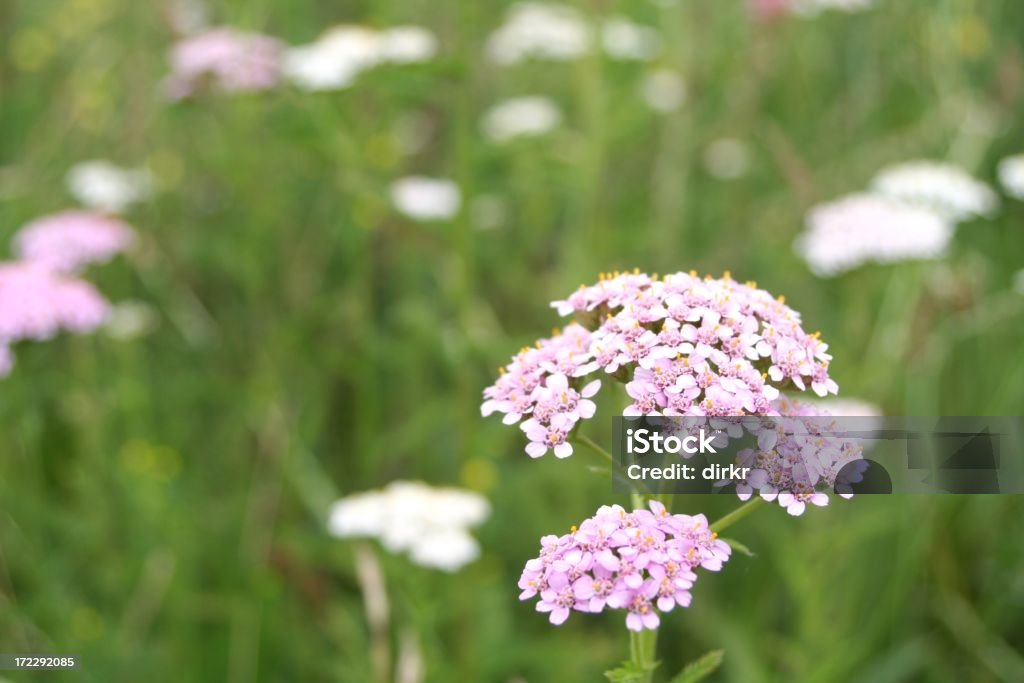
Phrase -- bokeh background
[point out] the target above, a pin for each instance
(163, 496)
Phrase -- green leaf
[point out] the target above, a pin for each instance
(739, 547)
(700, 669)
(630, 672)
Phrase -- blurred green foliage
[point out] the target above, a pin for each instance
(162, 499)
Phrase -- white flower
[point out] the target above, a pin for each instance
(663, 90)
(862, 228)
(334, 60)
(623, 39)
(430, 524)
(105, 186)
(407, 45)
(521, 117)
(941, 187)
(727, 159)
(426, 199)
(1011, 175)
(810, 8)
(539, 31)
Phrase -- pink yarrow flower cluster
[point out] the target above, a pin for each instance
(36, 303)
(684, 345)
(67, 241)
(799, 458)
(537, 389)
(643, 562)
(230, 60)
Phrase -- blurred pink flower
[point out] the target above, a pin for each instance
(36, 303)
(234, 61)
(67, 241)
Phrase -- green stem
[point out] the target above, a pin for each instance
(642, 644)
(594, 446)
(737, 514)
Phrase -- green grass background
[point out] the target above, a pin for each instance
(161, 500)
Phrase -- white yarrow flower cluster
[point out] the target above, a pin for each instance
(910, 213)
(431, 525)
(1011, 175)
(334, 60)
(521, 117)
(944, 188)
(864, 228)
(426, 199)
(663, 90)
(812, 8)
(557, 32)
(105, 186)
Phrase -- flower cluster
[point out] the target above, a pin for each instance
(944, 188)
(238, 61)
(67, 241)
(909, 213)
(228, 59)
(335, 59)
(684, 345)
(36, 303)
(798, 458)
(864, 228)
(1011, 175)
(643, 562)
(557, 32)
(430, 524)
(105, 186)
(536, 385)
(520, 117)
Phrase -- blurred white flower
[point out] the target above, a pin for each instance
(941, 187)
(103, 185)
(810, 8)
(407, 45)
(1018, 282)
(727, 159)
(539, 31)
(623, 39)
(426, 199)
(521, 117)
(1011, 175)
(863, 228)
(664, 90)
(129, 320)
(430, 524)
(334, 60)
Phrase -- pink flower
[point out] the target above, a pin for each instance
(552, 435)
(231, 60)
(36, 303)
(642, 562)
(67, 241)
(684, 346)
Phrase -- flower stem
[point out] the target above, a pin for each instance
(592, 445)
(642, 644)
(737, 514)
